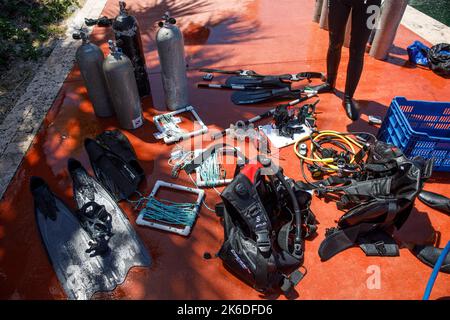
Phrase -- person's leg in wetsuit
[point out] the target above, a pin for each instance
(339, 11)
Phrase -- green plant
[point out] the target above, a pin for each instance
(25, 26)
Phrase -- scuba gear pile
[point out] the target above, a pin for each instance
(166, 215)
(266, 219)
(439, 57)
(170, 44)
(290, 125)
(90, 59)
(288, 122)
(128, 39)
(122, 88)
(257, 118)
(115, 164)
(168, 129)
(378, 196)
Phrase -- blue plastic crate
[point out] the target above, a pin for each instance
(419, 128)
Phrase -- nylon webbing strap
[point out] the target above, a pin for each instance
(378, 243)
(342, 239)
(261, 271)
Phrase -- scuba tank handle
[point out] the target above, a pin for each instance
(81, 35)
(167, 19)
(123, 7)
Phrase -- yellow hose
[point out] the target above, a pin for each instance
(347, 140)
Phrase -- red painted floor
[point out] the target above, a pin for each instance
(236, 34)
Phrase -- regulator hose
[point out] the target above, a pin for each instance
(351, 143)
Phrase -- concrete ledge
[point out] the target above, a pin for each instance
(24, 120)
(426, 27)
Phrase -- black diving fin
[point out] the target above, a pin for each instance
(435, 201)
(115, 164)
(258, 96)
(264, 82)
(80, 272)
(429, 255)
(126, 248)
(284, 77)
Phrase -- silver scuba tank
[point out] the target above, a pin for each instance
(90, 61)
(170, 44)
(122, 88)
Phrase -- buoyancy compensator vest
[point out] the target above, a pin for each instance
(266, 218)
(378, 199)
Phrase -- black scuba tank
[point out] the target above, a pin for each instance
(128, 38)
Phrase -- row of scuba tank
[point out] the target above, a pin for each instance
(116, 84)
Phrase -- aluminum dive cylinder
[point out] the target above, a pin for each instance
(128, 38)
(90, 61)
(122, 88)
(170, 44)
(391, 16)
(317, 11)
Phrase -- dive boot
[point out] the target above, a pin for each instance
(435, 201)
(350, 108)
(430, 255)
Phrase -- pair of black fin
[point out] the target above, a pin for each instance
(264, 95)
(115, 163)
(67, 240)
(253, 88)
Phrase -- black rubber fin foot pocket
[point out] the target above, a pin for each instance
(429, 255)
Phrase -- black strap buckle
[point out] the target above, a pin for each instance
(381, 248)
(263, 241)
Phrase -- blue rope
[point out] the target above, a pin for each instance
(210, 170)
(170, 212)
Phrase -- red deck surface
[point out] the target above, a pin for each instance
(263, 36)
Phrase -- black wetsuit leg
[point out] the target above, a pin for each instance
(360, 35)
(338, 14)
(339, 11)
